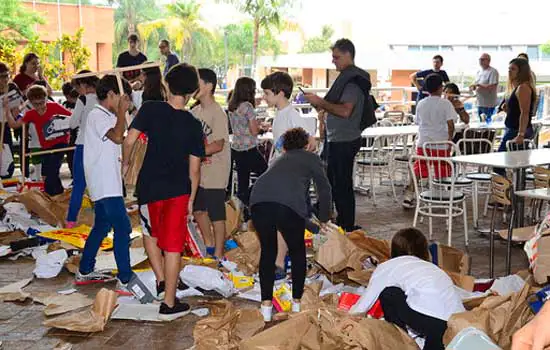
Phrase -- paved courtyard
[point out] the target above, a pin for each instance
(21, 323)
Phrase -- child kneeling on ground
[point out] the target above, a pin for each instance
(278, 203)
(414, 293)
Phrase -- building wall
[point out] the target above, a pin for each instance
(400, 78)
(98, 24)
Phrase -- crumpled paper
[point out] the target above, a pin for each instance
(49, 265)
(226, 326)
(90, 320)
(498, 316)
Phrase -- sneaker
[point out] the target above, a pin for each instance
(408, 200)
(179, 309)
(92, 277)
(161, 286)
(266, 312)
(280, 273)
(296, 306)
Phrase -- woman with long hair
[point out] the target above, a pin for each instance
(29, 72)
(520, 105)
(245, 127)
(153, 87)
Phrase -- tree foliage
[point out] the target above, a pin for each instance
(546, 48)
(16, 21)
(319, 43)
(265, 15)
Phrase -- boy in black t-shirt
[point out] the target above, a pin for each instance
(168, 180)
(132, 57)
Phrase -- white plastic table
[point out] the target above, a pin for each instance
(518, 161)
(390, 131)
(538, 193)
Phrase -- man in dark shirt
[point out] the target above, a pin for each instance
(171, 58)
(132, 57)
(418, 78)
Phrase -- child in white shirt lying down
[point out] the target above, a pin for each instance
(413, 292)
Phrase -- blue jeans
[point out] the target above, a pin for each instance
(51, 164)
(510, 134)
(488, 111)
(110, 213)
(79, 184)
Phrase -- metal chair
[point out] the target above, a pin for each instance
(481, 176)
(404, 145)
(432, 200)
(541, 180)
(384, 122)
(377, 158)
(396, 117)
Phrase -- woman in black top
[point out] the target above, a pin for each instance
(520, 105)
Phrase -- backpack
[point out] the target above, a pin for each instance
(368, 118)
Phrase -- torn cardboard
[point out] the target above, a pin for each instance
(57, 304)
(226, 326)
(91, 320)
(14, 291)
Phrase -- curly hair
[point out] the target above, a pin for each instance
(296, 138)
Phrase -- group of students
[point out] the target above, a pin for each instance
(436, 117)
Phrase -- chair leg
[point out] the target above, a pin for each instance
(372, 185)
(492, 244)
(416, 210)
(509, 243)
(430, 219)
(475, 203)
(465, 216)
(450, 225)
(392, 186)
(486, 206)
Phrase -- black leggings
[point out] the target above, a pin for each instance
(268, 218)
(397, 311)
(246, 163)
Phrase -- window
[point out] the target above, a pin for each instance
(430, 48)
(446, 48)
(545, 55)
(473, 48)
(533, 52)
(489, 48)
(506, 48)
(414, 48)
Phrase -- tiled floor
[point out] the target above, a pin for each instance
(21, 323)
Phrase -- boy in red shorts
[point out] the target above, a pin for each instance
(168, 180)
(435, 117)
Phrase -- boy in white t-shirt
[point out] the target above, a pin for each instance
(103, 137)
(277, 88)
(435, 117)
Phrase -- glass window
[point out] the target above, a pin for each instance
(506, 48)
(486, 48)
(473, 48)
(533, 52)
(446, 48)
(430, 48)
(414, 48)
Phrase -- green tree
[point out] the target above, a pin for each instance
(265, 15)
(73, 50)
(546, 48)
(16, 20)
(128, 15)
(319, 43)
(185, 28)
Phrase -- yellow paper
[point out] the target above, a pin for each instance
(76, 236)
(241, 282)
(282, 297)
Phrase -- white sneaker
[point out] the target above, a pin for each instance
(408, 200)
(296, 306)
(266, 312)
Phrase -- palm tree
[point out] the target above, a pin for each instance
(128, 15)
(184, 26)
(264, 14)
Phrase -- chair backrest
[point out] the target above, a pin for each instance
(501, 190)
(384, 122)
(511, 146)
(542, 177)
(433, 165)
(395, 116)
(311, 123)
(403, 144)
(381, 149)
(474, 146)
(429, 147)
(483, 133)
